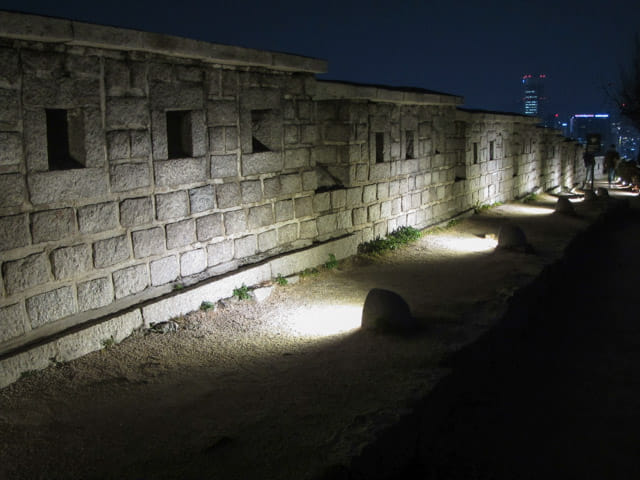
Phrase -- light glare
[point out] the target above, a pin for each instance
(324, 320)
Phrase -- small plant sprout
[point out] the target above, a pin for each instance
(178, 286)
(331, 263)
(206, 306)
(280, 280)
(241, 293)
(108, 342)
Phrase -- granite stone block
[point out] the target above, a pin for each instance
(69, 262)
(148, 242)
(164, 270)
(51, 306)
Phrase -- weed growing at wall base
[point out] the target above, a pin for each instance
(331, 263)
(397, 238)
(242, 293)
(280, 280)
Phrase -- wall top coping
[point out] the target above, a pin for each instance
(22, 26)
(467, 113)
(336, 90)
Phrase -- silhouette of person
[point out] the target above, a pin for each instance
(589, 164)
(611, 158)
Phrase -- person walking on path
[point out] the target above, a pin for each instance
(611, 158)
(589, 163)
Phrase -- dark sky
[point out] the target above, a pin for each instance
(479, 50)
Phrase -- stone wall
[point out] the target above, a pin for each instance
(132, 162)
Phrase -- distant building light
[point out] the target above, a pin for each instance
(602, 115)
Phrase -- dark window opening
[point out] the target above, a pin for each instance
(409, 145)
(379, 147)
(179, 138)
(65, 146)
(475, 153)
(263, 138)
(492, 150)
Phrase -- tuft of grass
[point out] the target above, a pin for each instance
(206, 306)
(280, 280)
(399, 237)
(307, 272)
(532, 197)
(331, 263)
(108, 342)
(178, 286)
(242, 293)
(478, 207)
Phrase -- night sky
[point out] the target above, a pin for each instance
(479, 50)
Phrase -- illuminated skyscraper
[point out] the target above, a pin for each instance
(533, 99)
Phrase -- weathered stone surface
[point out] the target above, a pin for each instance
(25, 273)
(68, 262)
(251, 191)
(130, 176)
(387, 311)
(308, 229)
(95, 294)
(166, 96)
(338, 198)
(224, 166)
(284, 210)
(235, 222)
(192, 262)
(180, 172)
(164, 270)
(118, 145)
(14, 232)
(263, 162)
(246, 246)
(172, 205)
(202, 199)
(52, 225)
(359, 216)
(220, 252)
(148, 242)
(67, 185)
(136, 211)
(9, 106)
(564, 205)
(181, 233)
(322, 202)
(304, 207)
(209, 227)
(260, 216)
(287, 234)
(51, 306)
(309, 180)
(10, 149)
(369, 193)
(228, 195)
(298, 158)
(98, 218)
(267, 240)
(127, 113)
(13, 321)
(327, 224)
(130, 281)
(512, 237)
(110, 251)
(222, 112)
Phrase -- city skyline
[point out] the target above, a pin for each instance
(477, 51)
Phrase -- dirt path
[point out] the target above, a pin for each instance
(281, 388)
(558, 396)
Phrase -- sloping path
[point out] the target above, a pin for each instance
(554, 391)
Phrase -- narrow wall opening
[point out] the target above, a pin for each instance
(379, 147)
(65, 139)
(179, 134)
